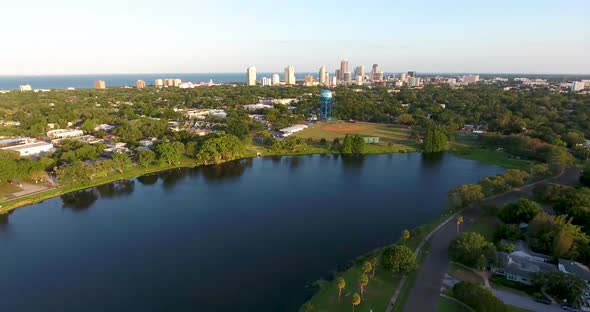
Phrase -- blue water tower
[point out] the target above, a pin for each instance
(326, 105)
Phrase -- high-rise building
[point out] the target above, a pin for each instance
(347, 76)
(343, 68)
(413, 82)
(327, 79)
(276, 79)
(176, 82)
(359, 71)
(308, 80)
(578, 86)
(322, 77)
(334, 81)
(412, 74)
(289, 75)
(338, 74)
(266, 81)
(159, 83)
(376, 75)
(140, 84)
(100, 84)
(470, 79)
(403, 77)
(251, 76)
(24, 88)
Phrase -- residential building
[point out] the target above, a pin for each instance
(100, 84)
(289, 75)
(140, 84)
(64, 133)
(256, 106)
(159, 83)
(578, 86)
(24, 88)
(322, 75)
(519, 267)
(413, 82)
(338, 74)
(574, 268)
(347, 77)
(308, 80)
(412, 74)
(276, 79)
(359, 71)
(104, 127)
(251, 76)
(376, 75)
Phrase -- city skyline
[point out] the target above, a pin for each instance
(459, 37)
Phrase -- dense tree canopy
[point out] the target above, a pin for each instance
(471, 249)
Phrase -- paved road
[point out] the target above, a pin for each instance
(525, 302)
(425, 293)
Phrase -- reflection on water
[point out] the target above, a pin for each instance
(432, 159)
(353, 161)
(171, 177)
(149, 179)
(226, 171)
(79, 201)
(119, 188)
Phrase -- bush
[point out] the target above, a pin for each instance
(509, 232)
(471, 249)
(477, 297)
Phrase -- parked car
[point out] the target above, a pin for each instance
(568, 308)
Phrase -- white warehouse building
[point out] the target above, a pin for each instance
(292, 129)
(64, 133)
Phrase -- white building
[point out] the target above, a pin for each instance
(284, 101)
(292, 129)
(257, 106)
(577, 86)
(322, 76)
(251, 75)
(266, 81)
(186, 85)
(28, 149)
(289, 75)
(413, 82)
(64, 133)
(276, 79)
(24, 88)
(104, 127)
(159, 83)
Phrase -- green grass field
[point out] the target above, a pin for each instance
(466, 146)
(447, 305)
(391, 137)
(7, 189)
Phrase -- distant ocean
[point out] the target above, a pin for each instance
(119, 80)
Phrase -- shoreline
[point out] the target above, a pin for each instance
(136, 171)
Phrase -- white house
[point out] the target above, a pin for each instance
(26, 147)
(292, 129)
(64, 133)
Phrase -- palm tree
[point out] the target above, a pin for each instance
(367, 267)
(356, 300)
(341, 283)
(308, 307)
(363, 281)
(405, 235)
(459, 222)
(374, 261)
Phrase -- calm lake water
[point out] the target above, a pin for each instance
(243, 236)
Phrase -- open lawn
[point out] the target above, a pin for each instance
(467, 146)
(7, 189)
(447, 305)
(464, 274)
(486, 226)
(391, 137)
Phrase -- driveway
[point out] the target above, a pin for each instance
(425, 293)
(524, 302)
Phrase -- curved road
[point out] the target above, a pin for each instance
(425, 293)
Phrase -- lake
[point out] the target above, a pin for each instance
(249, 235)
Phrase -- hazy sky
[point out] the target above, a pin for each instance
(128, 36)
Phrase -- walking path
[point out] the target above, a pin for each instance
(426, 291)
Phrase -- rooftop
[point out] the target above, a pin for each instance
(574, 268)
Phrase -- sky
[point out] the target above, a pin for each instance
(40, 37)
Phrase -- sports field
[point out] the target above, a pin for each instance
(391, 137)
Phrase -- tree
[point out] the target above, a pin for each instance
(120, 161)
(515, 177)
(168, 153)
(341, 284)
(145, 157)
(407, 119)
(585, 176)
(435, 140)
(405, 235)
(374, 261)
(76, 173)
(466, 195)
(356, 300)
(556, 235)
(358, 145)
(398, 259)
(469, 247)
(363, 282)
(477, 297)
(539, 171)
(347, 145)
(459, 221)
(308, 307)
(563, 286)
(558, 159)
(521, 212)
(367, 267)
